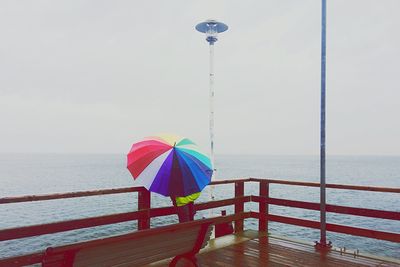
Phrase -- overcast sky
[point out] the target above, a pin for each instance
(96, 76)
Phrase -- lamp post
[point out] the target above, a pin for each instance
(211, 28)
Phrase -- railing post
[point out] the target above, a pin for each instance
(239, 207)
(144, 203)
(263, 207)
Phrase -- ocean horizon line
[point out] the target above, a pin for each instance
(217, 154)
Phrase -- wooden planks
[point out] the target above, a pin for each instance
(267, 251)
(255, 250)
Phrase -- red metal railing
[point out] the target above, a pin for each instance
(264, 201)
(145, 212)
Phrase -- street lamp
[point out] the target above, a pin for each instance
(211, 28)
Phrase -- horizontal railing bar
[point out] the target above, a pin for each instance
(7, 200)
(230, 181)
(158, 212)
(51, 228)
(287, 203)
(335, 186)
(393, 237)
(371, 213)
(287, 220)
(364, 188)
(222, 203)
(284, 182)
(381, 214)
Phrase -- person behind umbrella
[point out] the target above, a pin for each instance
(171, 166)
(185, 206)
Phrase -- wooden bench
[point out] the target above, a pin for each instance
(135, 249)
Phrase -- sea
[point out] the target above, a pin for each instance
(32, 174)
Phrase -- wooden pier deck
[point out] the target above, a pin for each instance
(244, 248)
(253, 250)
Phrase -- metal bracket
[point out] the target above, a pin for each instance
(320, 246)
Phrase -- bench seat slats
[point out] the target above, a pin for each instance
(133, 245)
(135, 249)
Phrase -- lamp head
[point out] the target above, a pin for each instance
(211, 28)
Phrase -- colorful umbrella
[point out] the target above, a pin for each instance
(169, 165)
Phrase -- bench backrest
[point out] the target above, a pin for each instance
(136, 249)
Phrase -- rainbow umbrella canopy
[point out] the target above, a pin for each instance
(169, 165)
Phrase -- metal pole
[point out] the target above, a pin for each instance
(212, 115)
(211, 28)
(322, 152)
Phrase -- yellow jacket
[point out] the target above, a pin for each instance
(182, 201)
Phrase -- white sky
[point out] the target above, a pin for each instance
(96, 76)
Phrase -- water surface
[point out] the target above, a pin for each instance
(28, 174)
